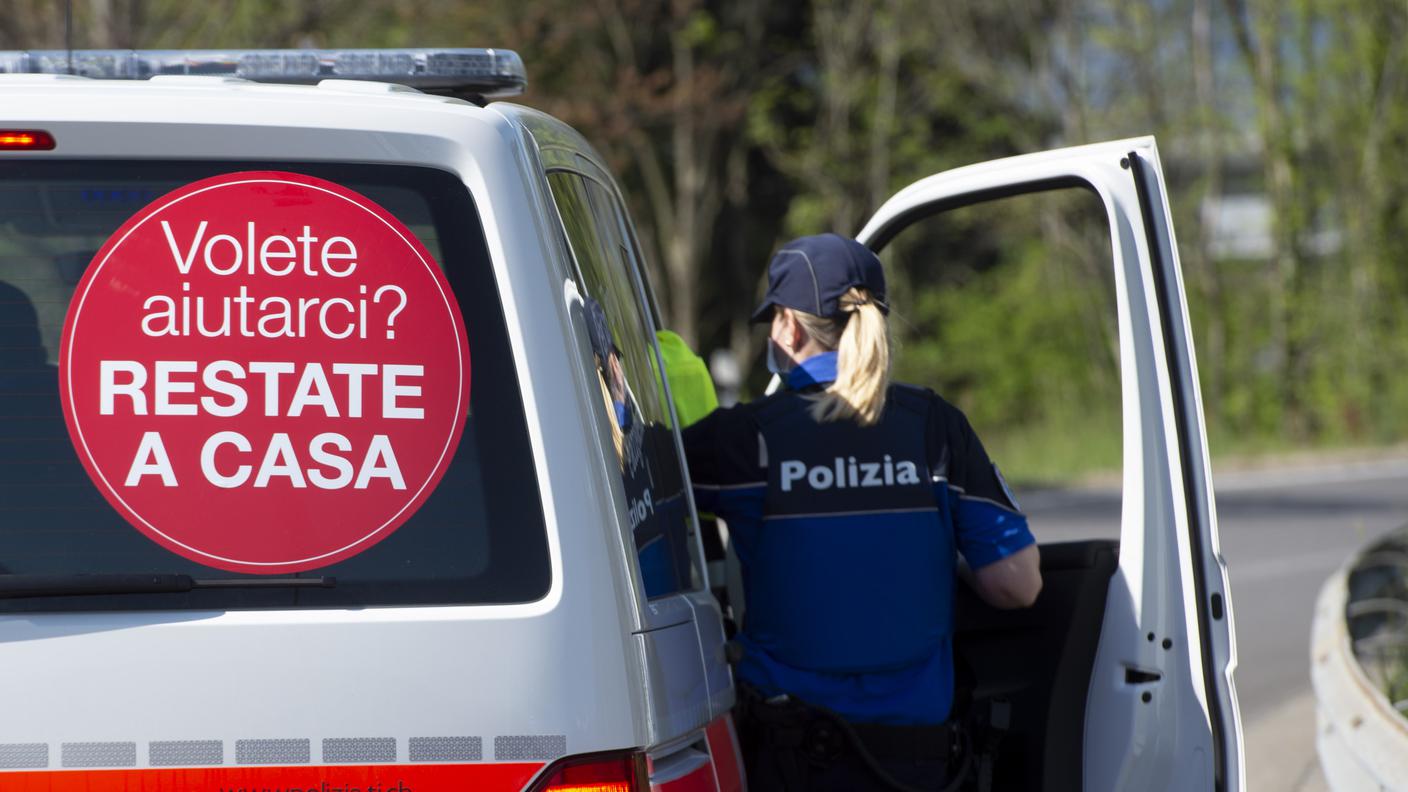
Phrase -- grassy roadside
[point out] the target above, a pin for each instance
(1090, 452)
(1053, 455)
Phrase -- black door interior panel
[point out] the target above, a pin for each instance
(1038, 659)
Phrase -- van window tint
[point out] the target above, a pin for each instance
(633, 397)
(479, 538)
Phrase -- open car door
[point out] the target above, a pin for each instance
(1121, 676)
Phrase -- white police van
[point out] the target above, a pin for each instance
(335, 454)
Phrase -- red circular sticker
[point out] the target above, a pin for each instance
(264, 372)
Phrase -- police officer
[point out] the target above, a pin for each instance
(849, 499)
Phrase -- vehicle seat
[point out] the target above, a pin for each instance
(1040, 659)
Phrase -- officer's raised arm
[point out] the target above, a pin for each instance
(1003, 565)
(1013, 582)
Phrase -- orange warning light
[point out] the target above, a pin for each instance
(25, 140)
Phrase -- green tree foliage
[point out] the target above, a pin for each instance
(1008, 310)
(1327, 80)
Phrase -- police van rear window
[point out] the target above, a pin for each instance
(256, 371)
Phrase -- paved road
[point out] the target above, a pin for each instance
(1283, 532)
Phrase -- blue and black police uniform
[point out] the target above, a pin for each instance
(847, 535)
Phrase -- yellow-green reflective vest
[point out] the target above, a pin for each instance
(690, 383)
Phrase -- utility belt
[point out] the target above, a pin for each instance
(802, 739)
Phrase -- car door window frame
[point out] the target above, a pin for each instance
(1166, 497)
(630, 260)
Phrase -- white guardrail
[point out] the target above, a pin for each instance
(1362, 741)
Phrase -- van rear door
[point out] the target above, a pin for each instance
(432, 658)
(1159, 711)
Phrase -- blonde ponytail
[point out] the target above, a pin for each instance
(862, 343)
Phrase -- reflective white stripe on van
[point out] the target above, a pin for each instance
(446, 749)
(283, 751)
(286, 751)
(520, 748)
(185, 753)
(99, 754)
(359, 750)
(21, 756)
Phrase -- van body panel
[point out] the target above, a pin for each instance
(708, 620)
(676, 688)
(565, 668)
(560, 149)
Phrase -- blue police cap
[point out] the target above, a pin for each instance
(812, 273)
(598, 329)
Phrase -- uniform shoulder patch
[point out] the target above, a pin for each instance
(1006, 490)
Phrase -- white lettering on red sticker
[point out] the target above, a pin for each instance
(265, 372)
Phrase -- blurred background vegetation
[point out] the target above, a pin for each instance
(735, 125)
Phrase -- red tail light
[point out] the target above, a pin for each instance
(25, 139)
(597, 773)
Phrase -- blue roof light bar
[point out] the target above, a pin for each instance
(491, 73)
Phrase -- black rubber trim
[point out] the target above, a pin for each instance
(891, 229)
(1164, 285)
